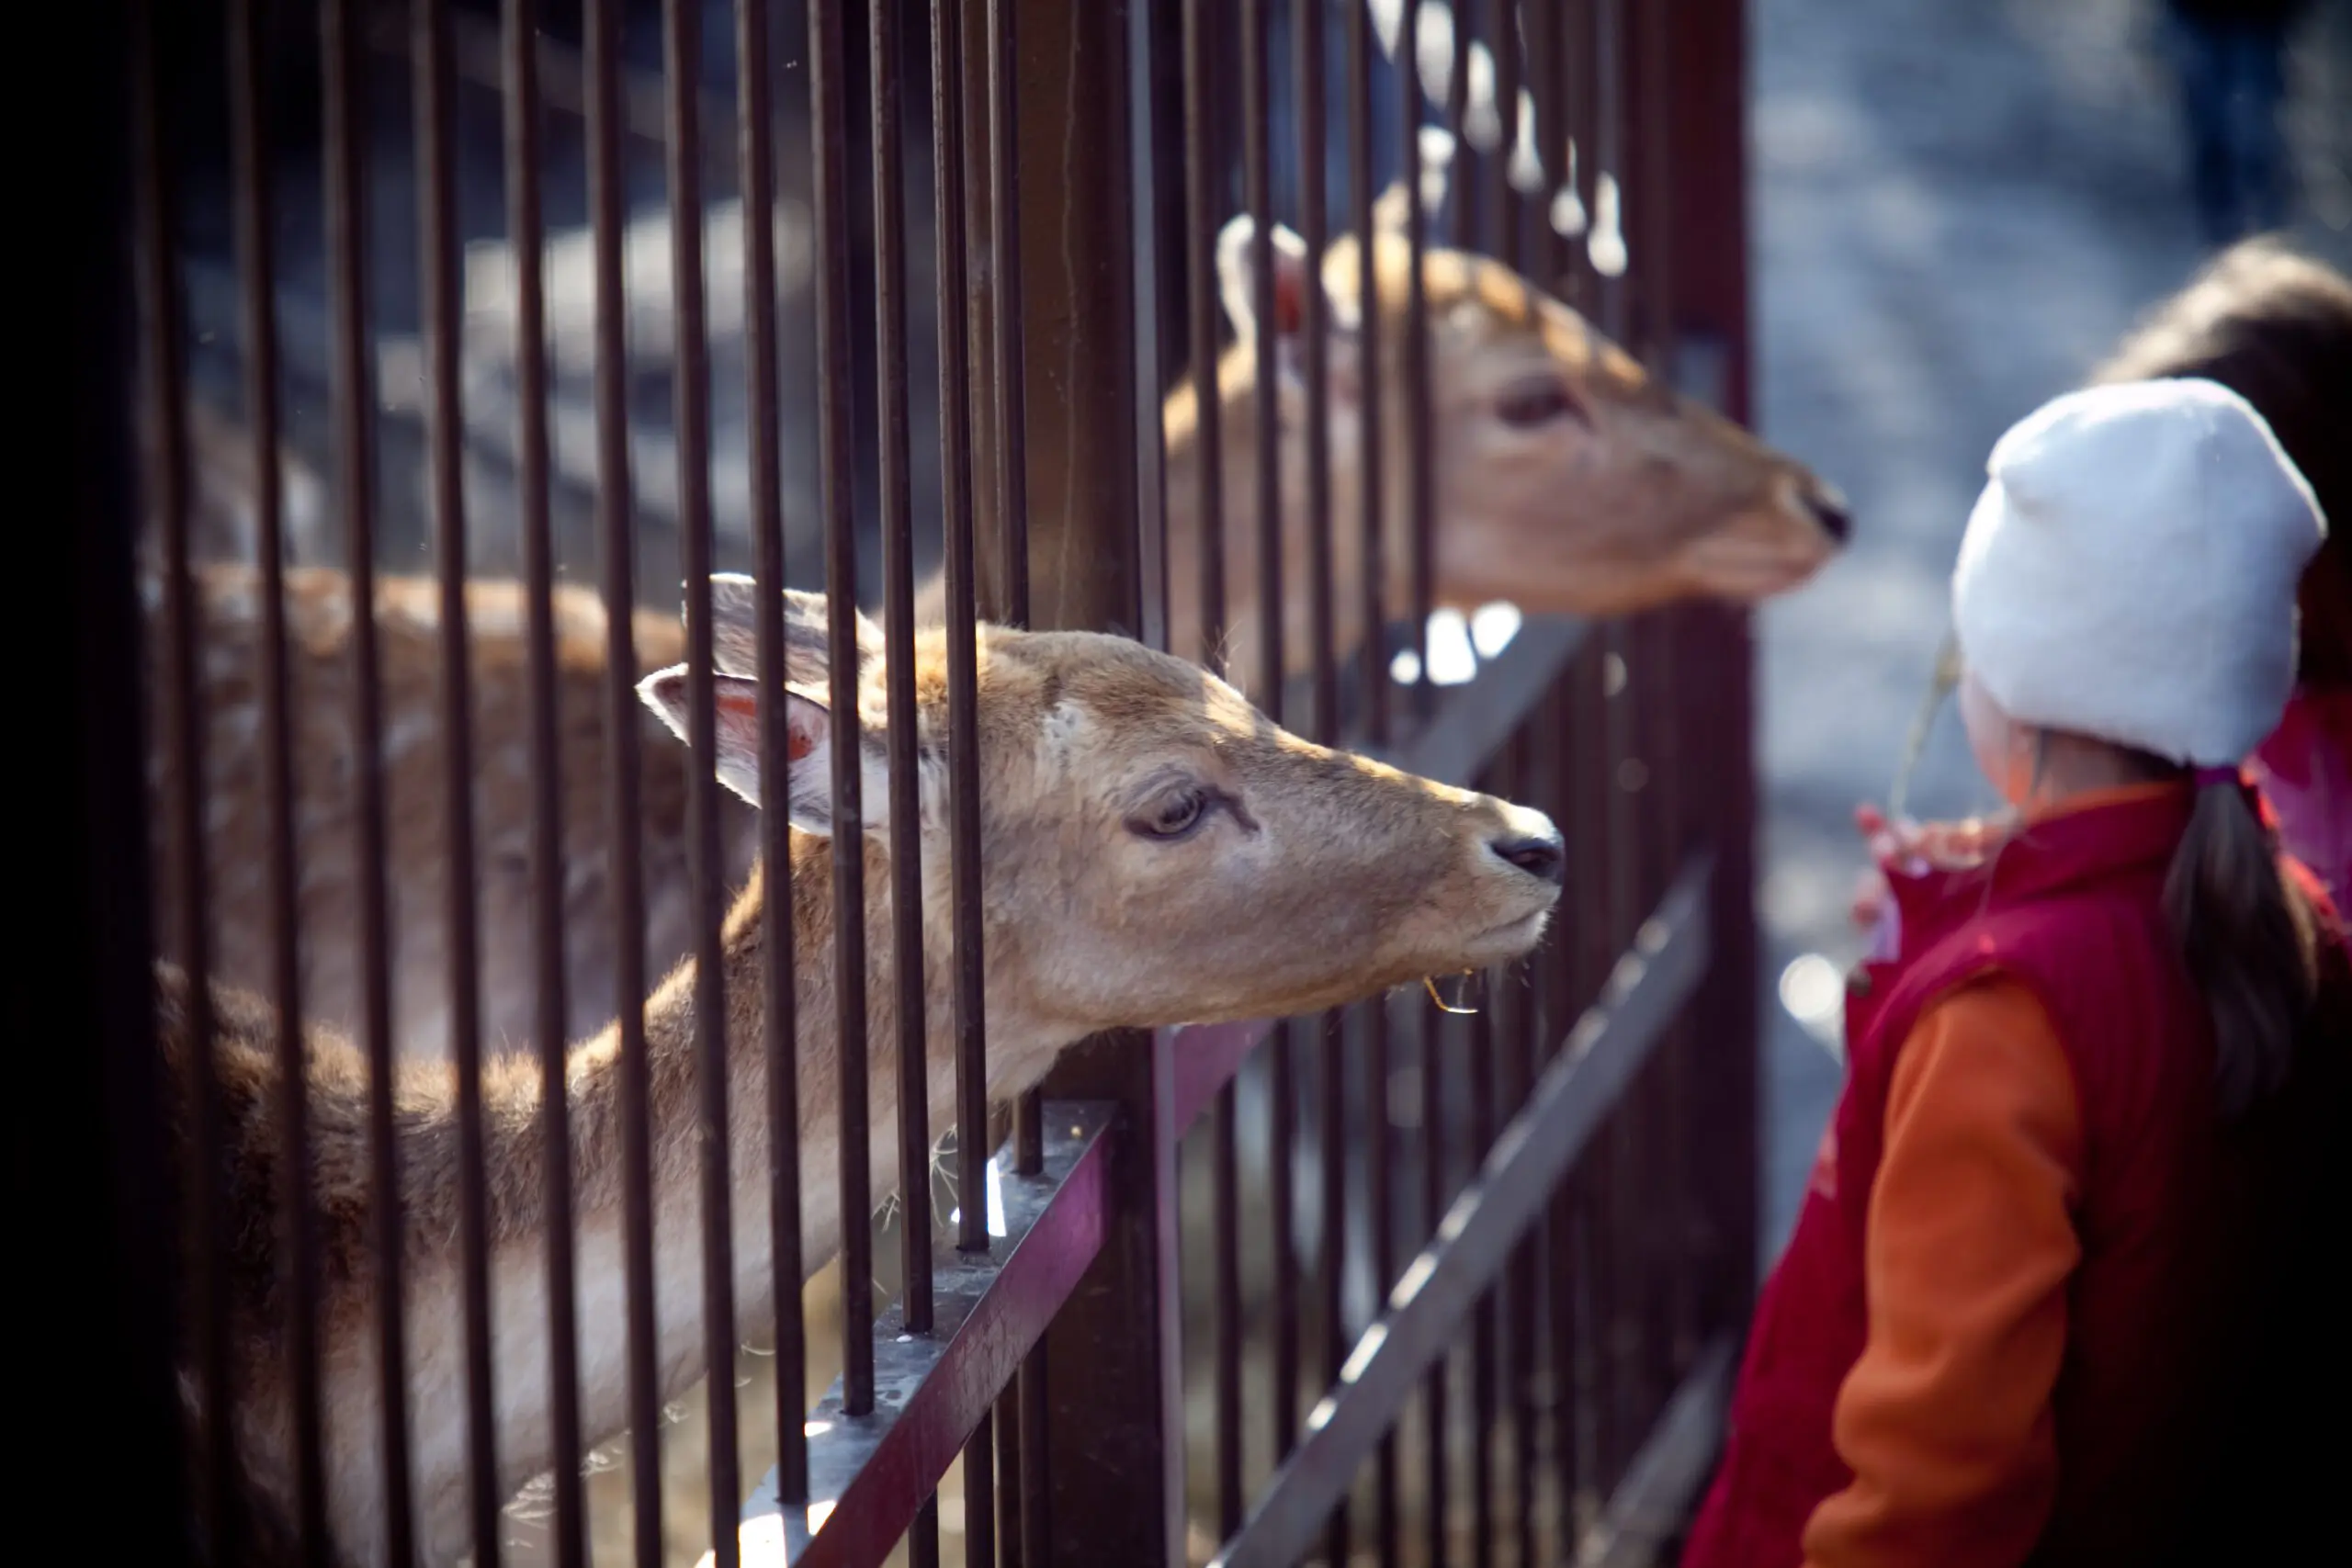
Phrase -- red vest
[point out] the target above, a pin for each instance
(2179, 1216)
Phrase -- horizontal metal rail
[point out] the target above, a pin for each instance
(1604, 1049)
(868, 1475)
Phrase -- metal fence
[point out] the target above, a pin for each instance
(1466, 1287)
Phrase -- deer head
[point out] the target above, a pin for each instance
(1157, 851)
(1567, 480)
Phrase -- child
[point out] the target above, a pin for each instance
(2040, 1291)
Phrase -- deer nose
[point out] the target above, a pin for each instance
(1829, 508)
(1542, 856)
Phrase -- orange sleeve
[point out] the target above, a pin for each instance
(1970, 1241)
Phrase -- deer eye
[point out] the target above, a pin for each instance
(1173, 815)
(1534, 404)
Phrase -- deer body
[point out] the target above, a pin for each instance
(1154, 853)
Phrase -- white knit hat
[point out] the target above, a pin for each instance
(2129, 572)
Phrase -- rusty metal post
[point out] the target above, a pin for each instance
(1089, 166)
(1705, 83)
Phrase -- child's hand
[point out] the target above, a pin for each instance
(1942, 844)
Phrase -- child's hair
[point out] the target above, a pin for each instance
(2274, 326)
(2248, 933)
(2249, 936)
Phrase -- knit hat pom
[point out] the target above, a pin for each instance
(2129, 572)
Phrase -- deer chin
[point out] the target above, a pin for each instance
(1747, 569)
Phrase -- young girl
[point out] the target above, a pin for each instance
(2046, 1301)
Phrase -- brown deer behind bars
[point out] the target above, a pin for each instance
(1154, 852)
(1567, 481)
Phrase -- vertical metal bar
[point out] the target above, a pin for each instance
(1227, 1288)
(757, 160)
(1708, 72)
(1462, 181)
(249, 114)
(608, 211)
(352, 395)
(1519, 1319)
(690, 386)
(829, 108)
(1436, 1391)
(1510, 208)
(963, 653)
(92, 1100)
(1091, 201)
(1332, 1123)
(898, 634)
(168, 498)
(1419, 468)
(979, 1493)
(1011, 468)
(443, 302)
(1481, 1066)
(524, 230)
(1011, 1500)
(1372, 475)
(1201, 188)
(1380, 1201)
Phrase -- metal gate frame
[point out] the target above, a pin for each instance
(1086, 1275)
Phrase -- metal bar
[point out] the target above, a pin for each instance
(1463, 178)
(1381, 1202)
(1202, 169)
(1483, 1401)
(870, 1472)
(980, 1492)
(1307, 49)
(1333, 1133)
(1225, 1288)
(690, 388)
(1008, 1493)
(1436, 1390)
(1011, 460)
(1511, 210)
(444, 300)
(524, 228)
(970, 1025)
(106, 1210)
(1373, 473)
(1709, 73)
(899, 667)
(257, 326)
(780, 1011)
(828, 107)
(1577, 1091)
(1519, 1301)
(1420, 495)
(1035, 1481)
(608, 211)
(351, 391)
(1091, 190)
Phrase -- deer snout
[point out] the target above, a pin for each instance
(1828, 505)
(1530, 843)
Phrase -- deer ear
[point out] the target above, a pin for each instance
(736, 706)
(1237, 263)
(807, 646)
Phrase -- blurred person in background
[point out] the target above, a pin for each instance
(2231, 56)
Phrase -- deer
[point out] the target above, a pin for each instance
(1153, 851)
(1567, 481)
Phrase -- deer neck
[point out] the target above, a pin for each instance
(598, 1106)
(1238, 443)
